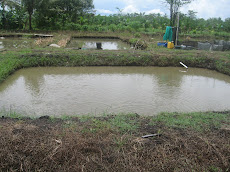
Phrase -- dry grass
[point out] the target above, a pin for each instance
(45, 145)
(63, 42)
(43, 41)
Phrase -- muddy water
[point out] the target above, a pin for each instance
(103, 44)
(94, 90)
(16, 43)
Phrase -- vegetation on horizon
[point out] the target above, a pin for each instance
(77, 16)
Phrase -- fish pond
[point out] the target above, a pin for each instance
(16, 42)
(97, 44)
(96, 90)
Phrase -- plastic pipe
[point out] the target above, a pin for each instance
(184, 65)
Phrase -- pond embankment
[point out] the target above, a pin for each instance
(181, 142)
(12, 61)
(177, 142)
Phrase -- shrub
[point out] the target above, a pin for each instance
(112, 27)
(85, 28)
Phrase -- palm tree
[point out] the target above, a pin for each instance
(29, 5)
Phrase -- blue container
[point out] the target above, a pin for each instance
(162, 44)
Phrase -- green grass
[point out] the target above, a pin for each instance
(130, 123)
(13, 60)
(196, 120)
(125, 122)
(122, 123)
(11, 114)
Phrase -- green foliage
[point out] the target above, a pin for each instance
(77, 15)
(73, 26)
(136, 25)
(85, 27)
(124, 122)
(198, 121)
(112, 27)
(11, 114)
(133, 40)
(137, 35)
(174, 9)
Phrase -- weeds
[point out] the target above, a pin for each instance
(63, 42)
(10, 114)
(198, 121)
(42, 145)
(43, 41)
(125, 123)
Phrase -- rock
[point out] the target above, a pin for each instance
(217, 47)
(45, 117)
(226, 44)
(204, 46)
(55, 45)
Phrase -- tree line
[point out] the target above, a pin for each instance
(42, 14)
(79, 15)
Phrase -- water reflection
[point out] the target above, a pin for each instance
(100, 44)
(143, 90)
(14, 43)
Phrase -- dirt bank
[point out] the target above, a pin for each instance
(110, 143)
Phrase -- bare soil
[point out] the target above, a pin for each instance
(46, 144)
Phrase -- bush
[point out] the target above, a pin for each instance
(95, 28)
(137, 35)
(73, 26)
(85, 28)
(136, 25)
(113, 27)
(121, 27)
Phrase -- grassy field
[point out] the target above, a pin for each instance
(112, 142)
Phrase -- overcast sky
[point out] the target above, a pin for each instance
(204, 8)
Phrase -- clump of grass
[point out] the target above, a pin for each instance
(11, 114)
(63, 42)
(43, 41)
(122, 123)
(196, 120)
(125, 123)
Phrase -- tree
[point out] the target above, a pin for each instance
(70, 10)
(227, 25)
(4, 4)
(29, 6)
(174, 8)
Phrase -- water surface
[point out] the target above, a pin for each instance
(16, 43)
(95, 90)
(103, 44)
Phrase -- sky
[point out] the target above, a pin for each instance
(205, 8)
